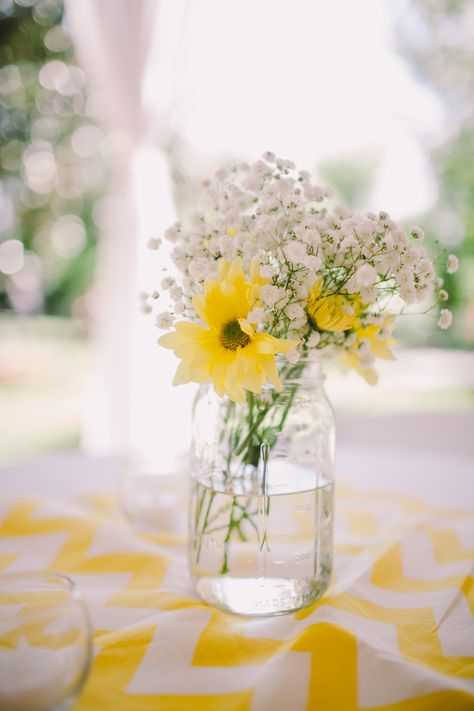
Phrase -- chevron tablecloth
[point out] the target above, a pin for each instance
(394, 632)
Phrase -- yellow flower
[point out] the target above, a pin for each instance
(379, 340)
(335, 312)
(379, 337)
(227, 351)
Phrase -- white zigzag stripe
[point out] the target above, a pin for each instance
(401, 679)
(34, 552)
(419, 561)
(167, 665)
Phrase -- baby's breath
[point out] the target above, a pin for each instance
(273, 216)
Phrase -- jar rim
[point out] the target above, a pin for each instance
(311, 368)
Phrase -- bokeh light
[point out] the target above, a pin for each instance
(12, 256)
(68, 236)
(53, 167)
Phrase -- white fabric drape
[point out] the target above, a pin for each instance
(130, 50)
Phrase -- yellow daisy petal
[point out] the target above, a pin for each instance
(271, 371)
(270, 345)
(227, 350)
(334, 312)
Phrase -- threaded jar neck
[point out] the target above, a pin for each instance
(306, 372)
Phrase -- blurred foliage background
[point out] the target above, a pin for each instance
(52, 164)
(55, 158)
(56, 162)
(436, 39)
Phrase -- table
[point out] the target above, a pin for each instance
(395, 631)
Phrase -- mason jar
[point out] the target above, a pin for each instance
(261, 506)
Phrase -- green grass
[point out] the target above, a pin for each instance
(42, 366)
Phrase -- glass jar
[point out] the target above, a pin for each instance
(45, 642)
(261, 511)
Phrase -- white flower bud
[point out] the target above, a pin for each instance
(172, 233)
(168, 283)
(198, 268)
(445, 319)
(295, 252)
(365, 276)
(164, 320)
(363, 346)
(256, 315)
(176, 293)
(312, 262)
(294, 311)
(299, 323)
(417, 233)
(453, 264)
(268, 272)
(270, 294)
(293, 356)
(314, 339)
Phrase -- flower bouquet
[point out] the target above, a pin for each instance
(272, 279)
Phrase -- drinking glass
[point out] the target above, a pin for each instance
(45, 642)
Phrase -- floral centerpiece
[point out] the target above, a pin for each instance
(271, 279)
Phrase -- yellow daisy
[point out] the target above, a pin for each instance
(335, 312)
(227, 350)
(379, 345)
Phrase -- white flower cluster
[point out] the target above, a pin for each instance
(445, 318)
(269, 213)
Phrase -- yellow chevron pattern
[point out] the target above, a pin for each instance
(394, 633)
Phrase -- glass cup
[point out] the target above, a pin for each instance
(45, 642)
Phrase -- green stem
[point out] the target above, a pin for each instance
(205, 523)
(259, 418)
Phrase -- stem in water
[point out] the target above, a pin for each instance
(264, 499)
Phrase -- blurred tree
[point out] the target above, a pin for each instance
(52, 167)
(436, 38)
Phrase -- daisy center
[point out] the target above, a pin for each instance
(232, 336)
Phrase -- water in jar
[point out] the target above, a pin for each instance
(260, 554)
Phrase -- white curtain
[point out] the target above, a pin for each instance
(130, 50)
